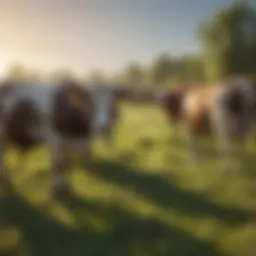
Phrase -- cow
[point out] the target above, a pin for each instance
(224, 110)
(63, 116)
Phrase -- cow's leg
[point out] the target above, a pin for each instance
(245, 140)
(59, 161)
(192, 143)
(108, 137)
(222, 129)
(247, 134)
(177, 132)
(190, 136)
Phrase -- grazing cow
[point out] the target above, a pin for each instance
(62, 116)
(225, 111)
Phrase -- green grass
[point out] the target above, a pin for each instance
(140, 198)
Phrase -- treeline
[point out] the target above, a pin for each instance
(227, 47)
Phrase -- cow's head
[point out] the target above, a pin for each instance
(171, 100)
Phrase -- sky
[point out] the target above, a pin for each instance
(98, 34)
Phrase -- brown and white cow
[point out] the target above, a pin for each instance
(171, 101)
(225, 111)
(63, 116)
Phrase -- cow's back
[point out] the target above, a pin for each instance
(197, 109)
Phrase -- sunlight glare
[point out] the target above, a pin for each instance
(4, 61)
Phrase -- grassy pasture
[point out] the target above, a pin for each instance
(141, 198)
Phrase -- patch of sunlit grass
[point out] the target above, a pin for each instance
(141, 197)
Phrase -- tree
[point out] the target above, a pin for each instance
(96, 77)
(62, 75)
(228, 41)
(133, 75)
(162, 69)
(191, 69)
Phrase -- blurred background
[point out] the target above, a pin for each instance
(134, 199)
(147, 43)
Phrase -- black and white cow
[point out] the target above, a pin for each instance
(64, 116)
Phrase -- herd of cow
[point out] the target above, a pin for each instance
(67, 116)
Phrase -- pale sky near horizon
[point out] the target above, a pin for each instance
(98, 34)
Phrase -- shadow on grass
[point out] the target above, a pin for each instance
(165, 193)
(126, 234)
